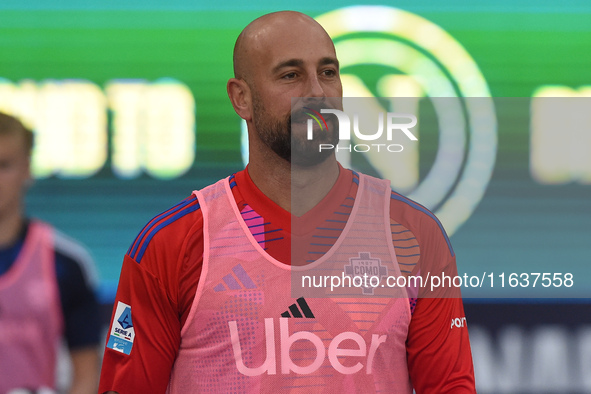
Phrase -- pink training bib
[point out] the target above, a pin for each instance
(247, 332)
(30, 315)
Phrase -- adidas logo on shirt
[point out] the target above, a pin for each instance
(237, 280)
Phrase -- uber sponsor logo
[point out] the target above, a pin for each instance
(122, 330)
(333, 349)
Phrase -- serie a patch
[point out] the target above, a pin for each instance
(122, 331)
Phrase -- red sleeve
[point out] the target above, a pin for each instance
(157, 335)
(439, 356)
(438, 353)
(158, 283)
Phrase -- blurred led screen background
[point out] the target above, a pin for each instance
(129, 106)
(128, 102)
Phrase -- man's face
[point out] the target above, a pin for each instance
(14, 172)
(299, 62)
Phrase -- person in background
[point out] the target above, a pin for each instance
(46, 286)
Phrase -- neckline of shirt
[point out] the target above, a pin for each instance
(249, 193)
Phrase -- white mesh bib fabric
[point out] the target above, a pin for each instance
(248, 333)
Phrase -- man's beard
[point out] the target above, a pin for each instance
(276, 133)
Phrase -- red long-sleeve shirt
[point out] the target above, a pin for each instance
(162, 268)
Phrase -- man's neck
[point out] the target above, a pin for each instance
(11, 224)
(295, 189)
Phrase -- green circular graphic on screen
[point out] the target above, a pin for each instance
(429, 63)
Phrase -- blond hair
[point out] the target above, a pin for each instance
(9, 125)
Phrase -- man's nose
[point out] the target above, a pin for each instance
(315, 87)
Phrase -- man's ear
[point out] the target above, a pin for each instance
(241, 98)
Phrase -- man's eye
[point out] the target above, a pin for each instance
(289, 76)
(329, 73)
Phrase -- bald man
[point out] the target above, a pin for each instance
(204, 301)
